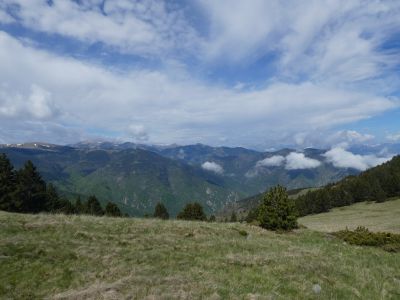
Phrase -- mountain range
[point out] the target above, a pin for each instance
(137, 176)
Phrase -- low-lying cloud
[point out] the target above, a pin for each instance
(296, 161)
(213, 167)
(273, 161)
(293, 161)
(341, 158)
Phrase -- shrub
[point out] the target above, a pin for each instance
(233, 217)
(361, 236)
(192, 211)
(277, 211)
(160, 211)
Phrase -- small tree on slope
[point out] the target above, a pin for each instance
(160, 211)
(277, 211)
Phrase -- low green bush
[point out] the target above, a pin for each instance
(361, 236)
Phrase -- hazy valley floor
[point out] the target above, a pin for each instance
(80, 257)
(375, 216)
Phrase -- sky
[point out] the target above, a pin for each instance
(259, 74)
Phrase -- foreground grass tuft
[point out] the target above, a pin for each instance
(83, 257)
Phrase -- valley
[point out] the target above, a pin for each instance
(136, 176)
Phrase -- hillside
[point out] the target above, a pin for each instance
(135, 179)
(375, 216)
(136, 176)
(82, 257)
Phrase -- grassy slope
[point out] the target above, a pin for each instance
(375, 216)
(75, 257)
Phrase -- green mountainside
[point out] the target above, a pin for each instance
(136, 177)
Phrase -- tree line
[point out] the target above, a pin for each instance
(25, 191)
(376, 184)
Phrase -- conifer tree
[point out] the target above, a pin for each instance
(93, 206)
(160, 211)
(192, 211)
(233, 217)
(30, 190)
(277, 211)
(7, 184)
(112, 210)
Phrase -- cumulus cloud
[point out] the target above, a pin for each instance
(395, 137)
(213, 167)
(273, 161)
(341, 158)
(296, 161)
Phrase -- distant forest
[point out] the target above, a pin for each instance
(25, 191)
(376, 184)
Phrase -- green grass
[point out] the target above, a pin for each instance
(81, 257)
(375, 216)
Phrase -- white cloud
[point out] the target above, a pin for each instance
(393, 137)
(325, 40)
(295, 161)
(342, 138)
(171, 109)
(341, 158)
(138, 132)
(213, 167)
(273, 161)
(144, 28)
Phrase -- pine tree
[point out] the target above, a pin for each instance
(160, 211)
(7, 184)
(192, 211)
(30, 190)
(93, 207)
(79, 207)
(277, 212)
(112, 210)
(53, 202)
(233, 217)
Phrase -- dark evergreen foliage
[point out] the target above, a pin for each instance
(7, 183)
(375, 184)
(361, 236)
(277, 211)
(192, 211)
(212, 218)
(93, 206)
(112, 210)
(25, 191)
(160, 211)
(233, 217)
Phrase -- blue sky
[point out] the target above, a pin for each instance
(239, 73)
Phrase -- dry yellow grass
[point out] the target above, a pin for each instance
(375, 216)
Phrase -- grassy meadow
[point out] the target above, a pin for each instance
(375, 216)
(82, 257)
